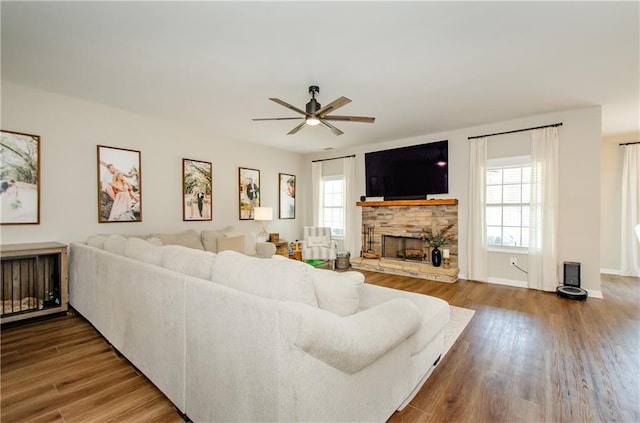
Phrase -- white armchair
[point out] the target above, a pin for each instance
(318, 245)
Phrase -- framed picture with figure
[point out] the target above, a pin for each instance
(197, 195)
(249, 183)
(119, 185)
(287, 196)
(20, 178)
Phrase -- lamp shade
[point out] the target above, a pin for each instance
(263, 213)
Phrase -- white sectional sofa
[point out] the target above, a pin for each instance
(228, 337)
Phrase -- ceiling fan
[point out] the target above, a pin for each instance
(317, 115)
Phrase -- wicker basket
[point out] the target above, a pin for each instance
(342, 261)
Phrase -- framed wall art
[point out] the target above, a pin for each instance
(287, 196)
(119, 185)
(197, 192)
(19, 178)
(249, 182)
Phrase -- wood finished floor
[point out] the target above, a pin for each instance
(526, 356)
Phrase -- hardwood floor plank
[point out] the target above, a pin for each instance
(526, 356)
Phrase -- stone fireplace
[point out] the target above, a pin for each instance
(397, 228)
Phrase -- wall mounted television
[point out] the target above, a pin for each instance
(408, 173)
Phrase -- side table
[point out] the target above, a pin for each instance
(282, 248)
(296, 255)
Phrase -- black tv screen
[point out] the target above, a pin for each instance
(408, 172)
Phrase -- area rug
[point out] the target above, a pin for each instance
(460, 318)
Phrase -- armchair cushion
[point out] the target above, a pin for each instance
(317, 241)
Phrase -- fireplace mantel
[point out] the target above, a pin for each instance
(433, 202)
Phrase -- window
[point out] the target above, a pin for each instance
(508, 192)
(333, 205)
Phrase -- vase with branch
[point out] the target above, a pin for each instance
(437, 239)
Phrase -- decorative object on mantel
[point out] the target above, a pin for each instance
(437, 239)
(446, 262)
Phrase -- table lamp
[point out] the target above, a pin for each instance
(263, 214)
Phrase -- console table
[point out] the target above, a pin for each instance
(33, 280)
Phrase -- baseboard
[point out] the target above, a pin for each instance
(594, 293)
(508, 282)
(616, 272)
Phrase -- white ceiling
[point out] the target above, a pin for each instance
(418, 67)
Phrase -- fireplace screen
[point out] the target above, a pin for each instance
(403, 248)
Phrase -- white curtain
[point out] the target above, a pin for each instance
(316, 192)
(543, 223)
(477, 235)
(351, 233)
(630, 251)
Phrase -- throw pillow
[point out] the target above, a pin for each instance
(139, 249)
(189, 239)
(115, 243)
(275, 279)
(338, 292)
(188, 261)
(235, 243)
(210, 238)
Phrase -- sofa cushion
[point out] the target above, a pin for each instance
(188, 261)
(154, 240)
(210, 238)
(337, 292)
(235, 243)
(190, 239)
(97, 241)
(115, 243)
(275, 279)
(139, 249)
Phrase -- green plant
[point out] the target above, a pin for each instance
(438, 238)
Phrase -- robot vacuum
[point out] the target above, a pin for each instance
(571, 288)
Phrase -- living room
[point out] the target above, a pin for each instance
(72, 125)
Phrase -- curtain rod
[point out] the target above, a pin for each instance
(335, 158)
(630, 143)
(516, 130)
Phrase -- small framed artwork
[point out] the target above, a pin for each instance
(197, 194)
(287, 196)
(20, 173)
(249, 182)
(119, 185)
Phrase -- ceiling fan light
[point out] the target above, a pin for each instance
(313, 121)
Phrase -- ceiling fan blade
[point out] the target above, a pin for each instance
(297, 128)
(335, 130)
(288, 106)
(284, 118)
(364, 119)
(335, 104)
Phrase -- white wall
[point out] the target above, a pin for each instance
(610, 230)
(71, 128)
(579, 220)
